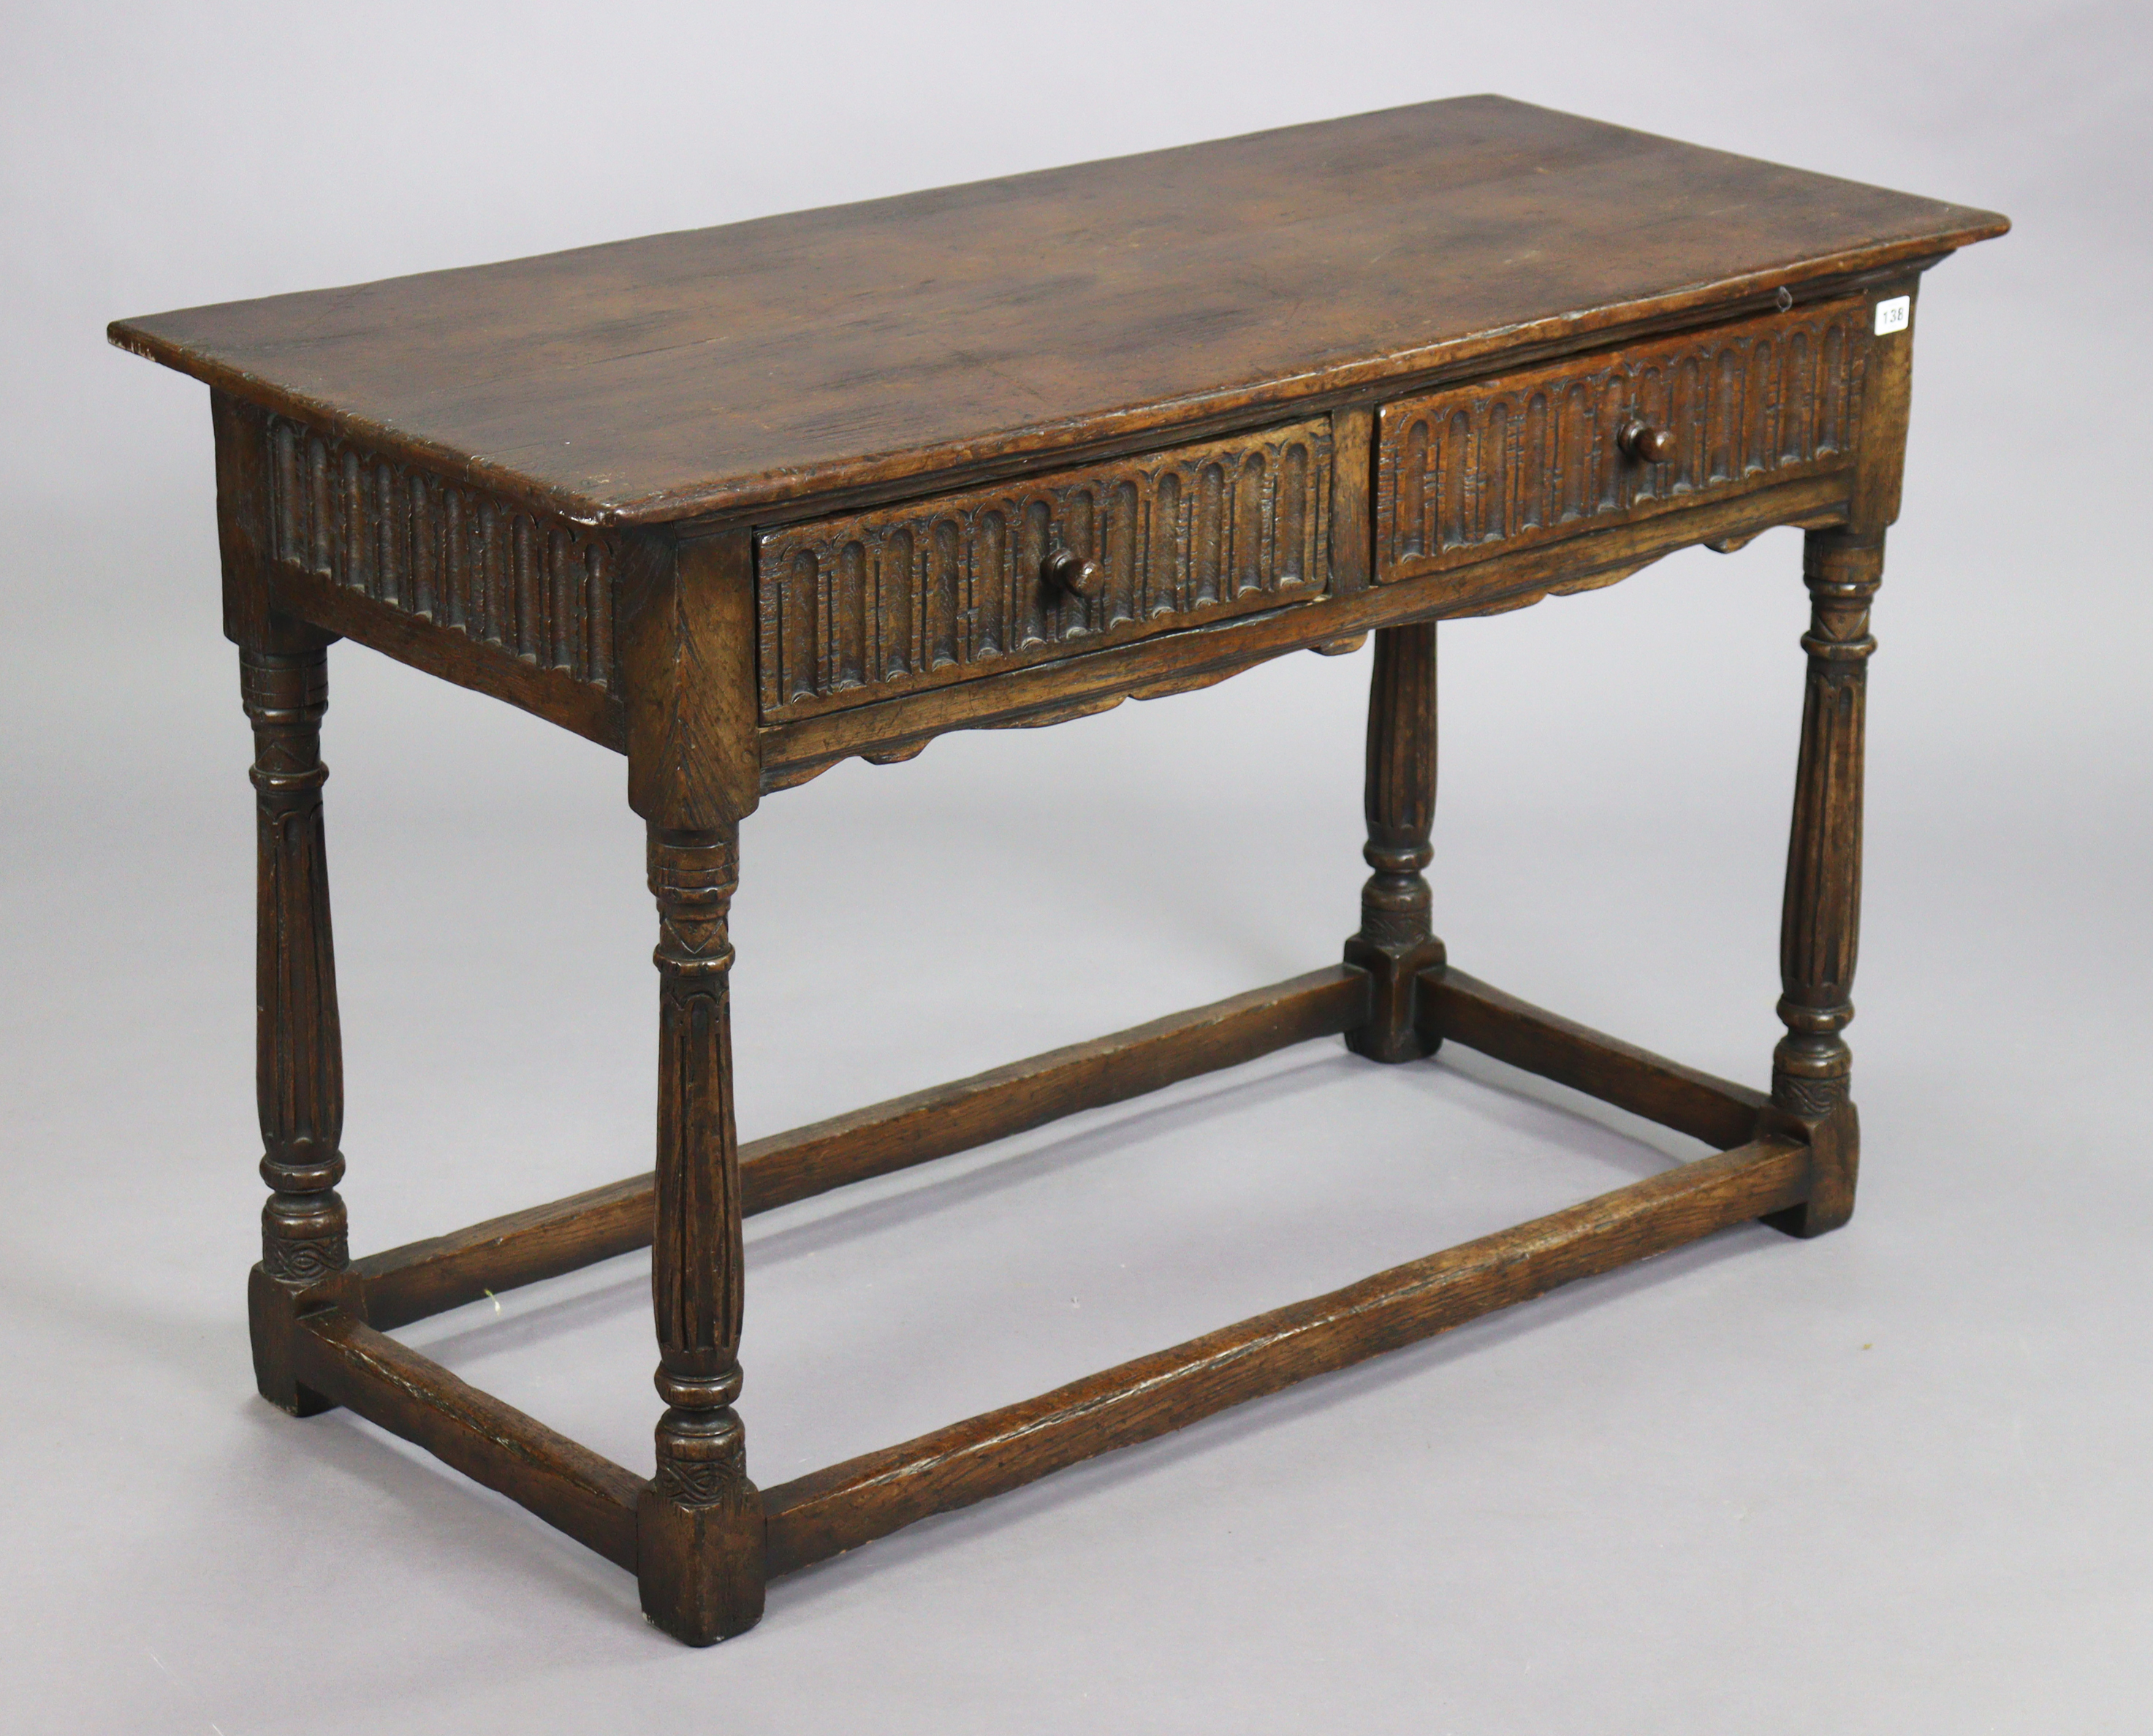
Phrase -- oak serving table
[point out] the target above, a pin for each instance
(740, 503)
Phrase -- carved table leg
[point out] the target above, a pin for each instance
(1394, 944)
(699, 1527)
(298, 1052)
(1820, 922)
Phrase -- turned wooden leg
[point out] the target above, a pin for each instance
(1394, 944)
(699, 1527)
(1821, 919)
(298, 1052)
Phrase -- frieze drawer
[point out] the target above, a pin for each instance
(1526, 458)
(873, 604)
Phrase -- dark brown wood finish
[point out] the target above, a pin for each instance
(1394, 944)
(828, 1511)
(584, 1495)
(457, 581)
(1820, 921)
(430, 1277)
(1352, 479)
(1089, 675)
(700, 1521)
(1455, 1007)
(1532, 457)
(1820, 917)
(873, 604)
(585, 709)
(422, 1278)
(742, 503)
(687, 665)
(538, 588)
(896, 730)
(726, 370)
(299, 1068)
(1820, 928)
(687, 656)
(298, 1050)
(392, 1386)
(425, 1278)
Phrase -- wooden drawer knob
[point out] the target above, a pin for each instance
(1073, 574)
(1647, 445)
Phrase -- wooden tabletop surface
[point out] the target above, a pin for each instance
(719, 370)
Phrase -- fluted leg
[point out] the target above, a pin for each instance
(298, 1052)
(1394, 944)
(700, 1524)
(1821, 919)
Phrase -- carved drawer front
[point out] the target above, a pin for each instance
(872, 604)
(1482, 469)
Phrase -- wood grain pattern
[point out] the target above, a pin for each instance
(819, 1515)
(1459, 1008)
(394, 1387)
(1529, 457)
(425, 1277)
(887, 344)
(687, 662)
(1874, 503)
(854, 607)
(1352, 485)
(430, 1277)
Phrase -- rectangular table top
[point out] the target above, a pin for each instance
(719, 370)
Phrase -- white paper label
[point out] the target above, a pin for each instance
(1894, 315)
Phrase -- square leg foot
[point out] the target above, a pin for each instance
(1394, 1030)
(272, 1323)
(701, 1566)
(1834, 1162)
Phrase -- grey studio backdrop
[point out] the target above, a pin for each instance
(1891, 1481)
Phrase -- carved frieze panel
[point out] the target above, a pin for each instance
(538, 587)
